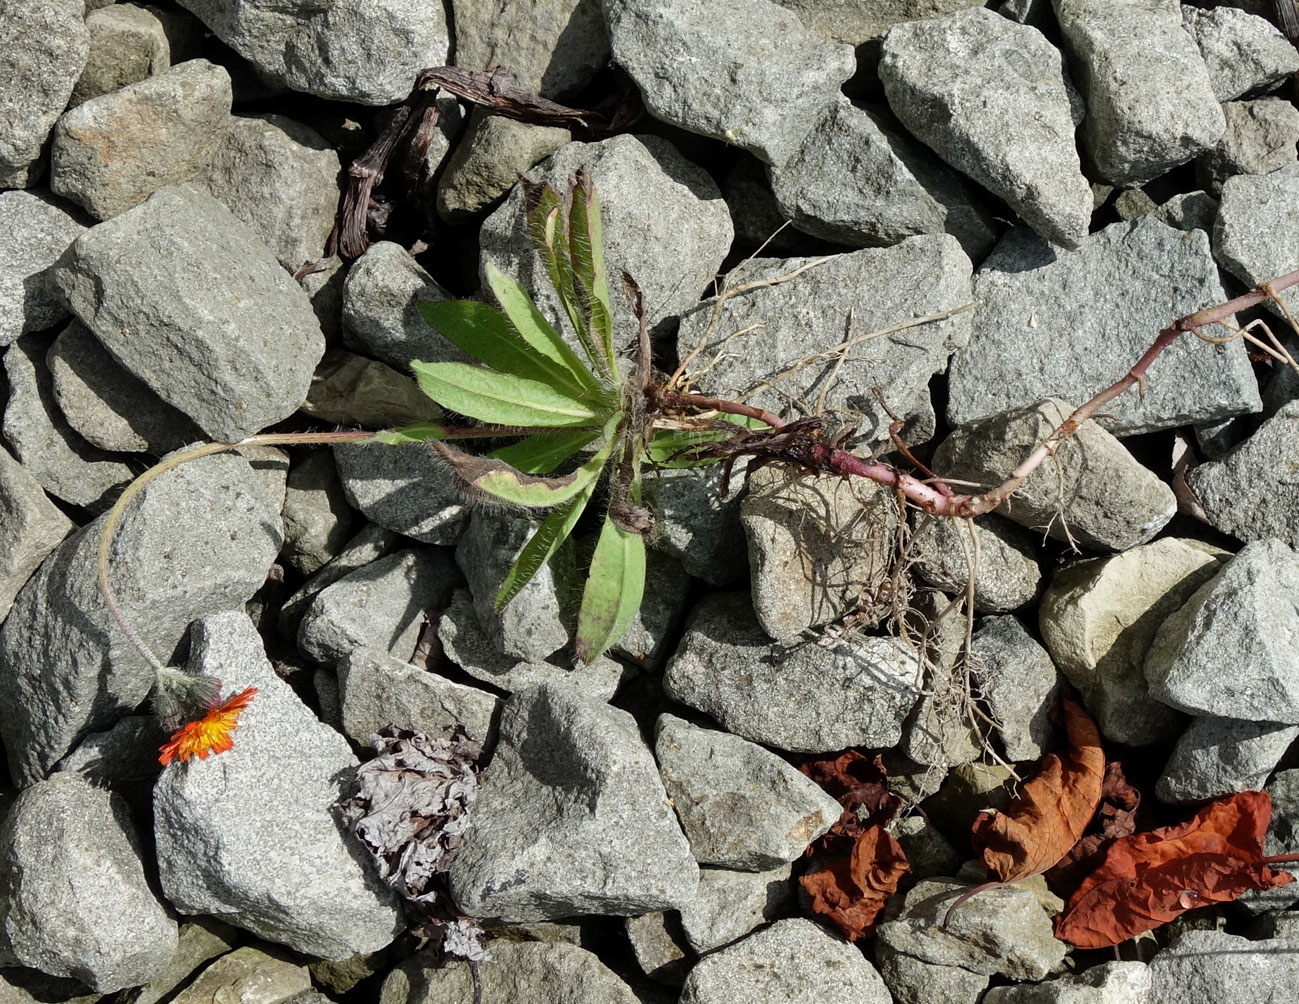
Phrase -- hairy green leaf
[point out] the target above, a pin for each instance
(502, 399)
(554, 530)
(614, 589)
(543, 452)
(586, 240)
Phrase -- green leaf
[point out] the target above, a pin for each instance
(554, 530)
(667, 443)
(540, 335)
(502, 399)
(586, 239)
(543, 452)
(420, 432)
(614, 589)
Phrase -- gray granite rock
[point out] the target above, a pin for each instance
(1249, 493)
(381, 299)
(1108, 983)
(43, 44)
(855, 183)
(376, 691)
(659, 947)
(849, 296)
(1069, 323)
(1260, 138)
(649, 637)
(249, 835)
(317, 519)
(941, 731)
(370, 543)
(1232, 649)
(1001, 931)
(1244, 54)
(819, 548)
(795, 960)
(1240, 970)
(31, 986)
(67, 466)
(77, 902)
(34, 230)
(552, 47)
(730, 904)
(990, 97)
(31, 526)
(804, 698)
(1189, 211)
(539, 972)
(251, 973)
(348, 389)
(928, 852)
(741, 806)
(532, 626)
(966, 790)
(1007, 573)
(1221, 756)
(778, 76)
(1020, 684)
(1098, 618)
(279, 177)
(473, 649)
(1144, 115)
(696, 525)
(491, 154)
(1256, 235)
(914, 981)
(571, 818)
(199, 941)
(107, 405)
(664, 221)
(1092, 492)
(382, 606)
(181, 268)
(1282, 838)
(402, 488)
(355, 50)
(112, 152)
(199, 538)
(127, 44)
(855, 22)
(124, 753)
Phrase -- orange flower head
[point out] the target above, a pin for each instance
(209, 734)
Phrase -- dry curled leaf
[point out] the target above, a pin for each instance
(1115, 817)
(1052, 810)
(1148, 879)
(860, 785)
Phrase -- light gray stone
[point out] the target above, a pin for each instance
(44, 46)
(249, 835)
(914, 981)
(818, 547)
(855, 183)
(317, 518)
(696, 525)
(1260, 138)
(1145, 115)
(1055, 323)
(659, 947)
(1232, 649)
(354, 50)
(1108, 983)
(539, 972)
(664, 221)
(348, 389)
(1007, 574)
(858, 21)
(550, 47)
(107, 405)
(1189, 211)
(199, 538)
(76, 899)
(1092, 492)
(48, 447)
(1244, 54)
(730, 904)
(1250, 493)
(183, 294)
(377, 691)
(370, 543)
(1001, 931)
(31, 526)
(124, 753)
(741, 806)
(795, 960)
(199, 941)
(990, 97)
(847, 297)
(649, 637)
(804, 698)
(34, 230)
(571, 818)
(248, 973)
(382, 606)
(1020, 684)
(1256, 235)
(487, 161)
(279, 177)
(127, 44)
(1221, 756)
(759, 85)
(1098, 618)
(1240, 972)
(112, 152)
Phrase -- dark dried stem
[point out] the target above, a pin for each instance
(670, 399)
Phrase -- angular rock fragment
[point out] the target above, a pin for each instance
(551, 48)
(1244, 53)
(1007, 576)
(1179, 974)
(348, 389)
(730, 904)
(1256, 236)
(1260, 138)
(1110, 983)
(1020, 684)
(317, 518)
(1221, 756)
(34, 230)
(695, 525)
(402, 488)
(914, 981)
(487, 161)
(854, 22)
(31, 526)
(127, 44)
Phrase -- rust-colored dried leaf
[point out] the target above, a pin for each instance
(1148, 879)
(1116, 817)
(851, 889)
(1051, 811)
(860, 785)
